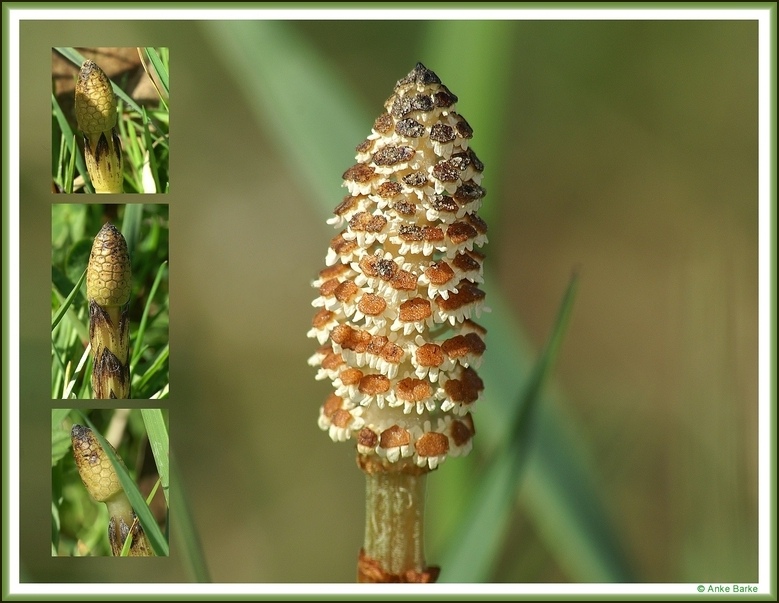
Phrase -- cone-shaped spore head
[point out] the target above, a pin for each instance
(401, 285)
(94, 466)
(109, 272)
(95, 100)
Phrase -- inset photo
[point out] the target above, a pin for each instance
(110, 482)
(110, 126)
(109, 301)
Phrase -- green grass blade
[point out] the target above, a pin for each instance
(133, 154)
(69, 380)
(58, 415)
(131, 226)
(558, 493)
(484, 527)
(128, 543)
(156, 366)
(183, 526)
(55, 528)
(161, 70)
(153, 532)
(145, 317)
(59, 158)
(68, 301)
(163, 393)
(71, 170)
(153, 492)
(70, 141)
(157, 432)
(147, 139)
(60, 438)
(549, 355)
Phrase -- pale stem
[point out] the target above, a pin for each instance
(394, 518)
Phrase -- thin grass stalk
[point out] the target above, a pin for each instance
(108, 292)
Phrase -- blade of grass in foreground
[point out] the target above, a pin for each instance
(184, 527)
(131, 226)
(60, 437)
(70, 142)
(145, 317)
(150, 153)
(483, 528)
(156, 366)
(253, 52)
(161, 71)
(157, 432)
(67, 302)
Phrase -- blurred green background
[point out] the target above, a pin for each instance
(624, 150)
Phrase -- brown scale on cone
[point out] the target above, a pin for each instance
(400, 291)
